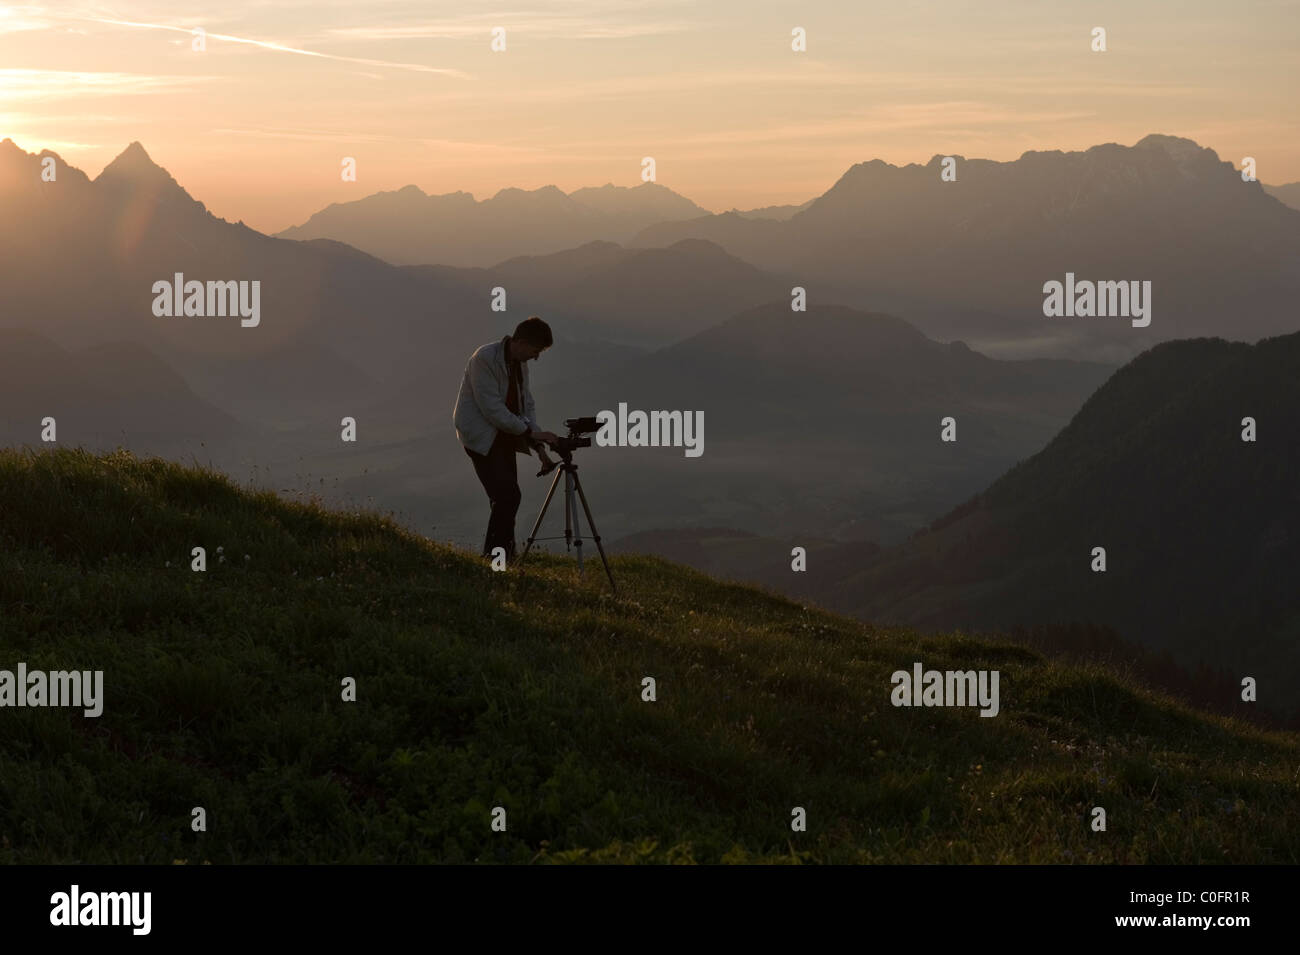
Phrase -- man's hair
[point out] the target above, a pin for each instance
(534, 331)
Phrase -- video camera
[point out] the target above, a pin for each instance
(565, 446)
(577, 427)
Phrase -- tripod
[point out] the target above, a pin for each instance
(572, 526)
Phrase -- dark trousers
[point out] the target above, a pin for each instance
(496, 472)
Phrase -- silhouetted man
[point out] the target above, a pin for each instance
(494, 420)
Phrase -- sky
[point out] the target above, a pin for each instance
(256, 124)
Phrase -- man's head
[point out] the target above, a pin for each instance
(532, 337)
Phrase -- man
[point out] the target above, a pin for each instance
(495, 419)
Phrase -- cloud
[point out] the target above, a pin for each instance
(270, 45)
(944, 116)
(29, 85)
(563, 19)
(306, 135)
(573, 28)
(814, 79)
(54, 145)
(18, 19)
(445, 147)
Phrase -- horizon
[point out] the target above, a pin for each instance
(487, 195)
(734, 118)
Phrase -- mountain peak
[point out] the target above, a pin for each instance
(133, 157)
(10, 149)
(19, 168)
(1164, 141)
(1180, 150)
(516, 193)
(133, 171)
(11, 153)
(863, 173)
(134, 165)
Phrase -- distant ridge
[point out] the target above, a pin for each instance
(408, 227)
(968, 258)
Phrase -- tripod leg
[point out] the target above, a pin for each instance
(542, 513)
(577, 523)
(568, 511)
(595, 535)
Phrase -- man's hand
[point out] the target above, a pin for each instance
(548, 437)
(547, 464)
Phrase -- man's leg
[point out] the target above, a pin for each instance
(484, 474)
(505, 494)
(497, 473)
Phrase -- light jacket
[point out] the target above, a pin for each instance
(481, 405)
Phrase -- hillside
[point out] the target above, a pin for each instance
(100, 396)
(475, 689)
(1202, 529)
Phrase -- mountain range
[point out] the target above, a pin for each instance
(409, 227)
(685, 327)
(969, 258)
(964, 259)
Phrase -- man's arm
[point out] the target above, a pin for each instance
(491, 401)
(530, 407)
(530, 414)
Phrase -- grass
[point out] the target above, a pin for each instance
(478, 689)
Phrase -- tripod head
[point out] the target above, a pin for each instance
(565, 446)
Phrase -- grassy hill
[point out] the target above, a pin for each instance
(476, 689)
